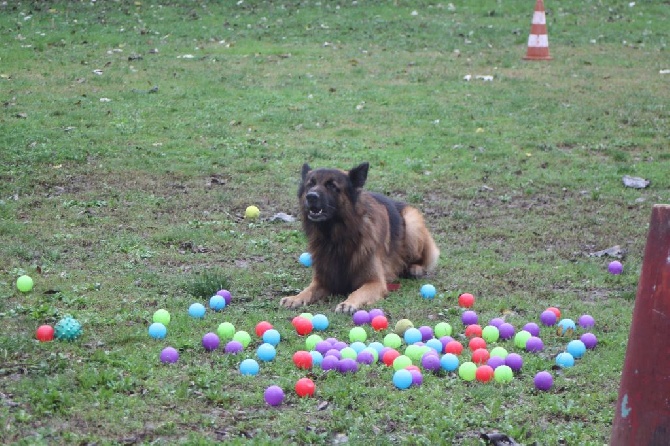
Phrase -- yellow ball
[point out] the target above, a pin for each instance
(402, 325)
(252, 212)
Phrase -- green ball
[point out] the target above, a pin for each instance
(401, 362)
(24, 283)
(392, 340)
(226, 331)
(68, 329)
(162, 317)
(312, 340)
(307, 316)
(375, 353)
(242, 337)
(521, 338)
(503, 374)
(358, 334)
(499, 351)
(490, 333)
(442, 329)
(402, 325)
(467, 371)
(414, 352)
(348, 352)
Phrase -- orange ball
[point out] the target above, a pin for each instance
(466, 300)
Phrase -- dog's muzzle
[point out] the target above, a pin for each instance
(314, 208)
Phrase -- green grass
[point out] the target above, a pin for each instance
(117, 208)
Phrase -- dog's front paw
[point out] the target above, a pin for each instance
(345, 307)
(292, 302)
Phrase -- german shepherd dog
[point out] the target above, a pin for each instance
(359, 241)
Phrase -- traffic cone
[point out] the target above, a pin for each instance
(538, 40)
(642, 414)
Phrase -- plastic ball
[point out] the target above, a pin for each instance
(226, 331)
(474, 330)
(402, 325)
(305, 387)
(565, 327)
(226, 295)
(317, 358)
(169, 355)
(469, 317)
(417, 377)
(329, 363)
(428, 291)
(392, 340)
(548, 318)
(556, 311)
(503, 374)
(514, 361)
(210, 341)
(249, 367)
(576, 348)
(274, 395)
(521, 338)
(534, 344)
(543, 381)
(376, 312)
(466, 300)
(347, 365)
(308, 316)
(68, 329)
(490, 333)
(312, 340)
(565, 360)
(361, 317)
(500, 352)
(586, 321)
(302, 360)
(412, 335)
(476, 343)
(322, 347)
(495, 361)
(303, 326)
(333, 352)
(262, 327)
(306, 259)
(615, 267)
(431, 362)
(449, 362)
(480, 356)
(532, 328)
(496, 322)
(339, 345)
(242, 337)
(442, 329)
(435, 345)
(378, 346)
(320, 322)
(24, 283)
(272, 336)
(157, 330)
(252, 212)
(401, 362)
(348, 352)
(358, 346)
(390, 356)
(589, 340)
(161, 316)
(379, 323)
(217, 303)
(233, 347)
(453, 347)
(402, 379)
(266, 352)
(196, 310)
(358, 334)
(365, 357)
(414, 352)
(506, 331)
(45, 333)
(484, 373)
(467, 371)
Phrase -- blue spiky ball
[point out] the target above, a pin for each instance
(68, 329)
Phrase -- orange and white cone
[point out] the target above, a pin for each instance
(538, 40)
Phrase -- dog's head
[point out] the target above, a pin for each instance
(324, 192)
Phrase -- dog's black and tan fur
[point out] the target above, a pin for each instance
(359, 240)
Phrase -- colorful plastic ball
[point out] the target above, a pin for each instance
(358, 334)
(312, 340)
(495, 361)
(226, 331)
(348, 352)
(414, 352)
(506, 331)
(317, 358)
(24, 283)
(305, 387)
(521, 338)
(306, 259)
(266, 352)
(161, 316)
(226, 295)
(532, 328)
(379, 323)
(365, 357)
(548, 318)
(466, 300)
(333, 352)
(503, 374)
(417, 377)
(514, 361)
(196, 310)
(401, 362)
(576, 348)
(68, 329)
(445, 340)
(274, 395)
(320, 322)
(615, 267)
(499, 351)
(490, 333)
(449, 362)
(307, 315)
(378, 346)
(534, 344)
(473, 330)
(303, 326)
(589, 340)
(210, 341)
(252, 212)
(347, 365)
(428, 291)
(435, 345)
(556, 311)
(392, 340)
(233, 347)
(484, 373)
(322, 347)
(467, 371)
(339, 345)
(243, 338)
(302, 360)
(480, 356)
(45, 333)
(431, 362)
(402, 379)
(249, 367)
(565, 327)
(358, 346)
(272, 336)
(453, 347)
(389, 357)
(543, 381)
(169, 355)
(565, 360)
(376, 312)
(157, 330)
(402, 326)
(262, 327)
(476, 343)
(329, 363)
(217, 303)
(442, 329)
(426, 333)
(586, 321)
(412, 335)
(469, 317)
(361, 317)
(496, 322)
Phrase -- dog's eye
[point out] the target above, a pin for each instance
(311, 182)
(332, 186)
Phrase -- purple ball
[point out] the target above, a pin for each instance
(417, 377)
(431, 362)
(210, 341)
(469, 317)
(169, 355)
(548, 318)
(226, 295)
(329, 363)
(534, 344)
(586, 321)
(615, 267)
(274, 395)
(514, 361)
(445, 340)
(365, 358)
(331, 340)
(497, 322)
(376, 312)
(361, 317)
(383, 351)
(233, 347)
(543, 381)
(426, 332)
(333, 352)
(322, 347)
(506, 330)
(532, 328)
(347, 365)
(589, 340)
(339, 345)
(495, 362)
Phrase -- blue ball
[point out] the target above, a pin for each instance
(320, 322)
(197, 310)
(272, 337)
(306, 259)
(357, 346)
(576, 348)
(413, 335)
(249, 367)
(565, 360)
(317, 358)
(565, 327)
(157, 330)
(428, 291)
(377, 346)
(449, 362)
(435, 344)
(266, 352)
(402, 379)
(217, 302)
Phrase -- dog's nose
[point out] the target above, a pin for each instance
(312, 197)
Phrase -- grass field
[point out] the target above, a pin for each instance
(135, 134)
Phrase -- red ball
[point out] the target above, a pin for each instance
(303, 326)
(412, 367)
(480, 356)
(556, 311)
(477, 343)
(262, 327)
(45, 333)
(473, 330)
(379, 323)
(305, 387)
(302, 359)
(484, 373)
(390, 356)
(466, 300)
(453, 347)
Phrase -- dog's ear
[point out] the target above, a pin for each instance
(358, 175)
(305, 170)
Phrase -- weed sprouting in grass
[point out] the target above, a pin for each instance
(205, 284)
